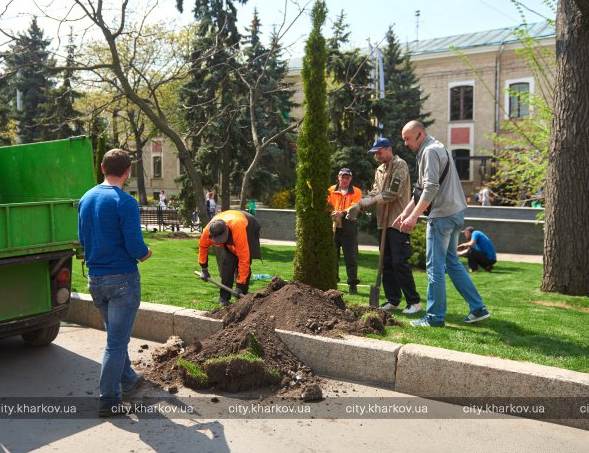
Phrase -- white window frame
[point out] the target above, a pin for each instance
(510, 82)
(474, 92)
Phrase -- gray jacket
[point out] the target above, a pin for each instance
(448, 198)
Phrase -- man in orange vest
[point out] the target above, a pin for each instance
(340, 197)
(238, 235)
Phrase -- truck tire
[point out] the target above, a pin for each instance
(41, 337)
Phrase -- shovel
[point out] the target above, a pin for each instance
(375, 289)
(220, 285)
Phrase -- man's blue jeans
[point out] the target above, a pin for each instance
(441, 243)
(117, 297)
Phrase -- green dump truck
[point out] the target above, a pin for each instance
(40, 186)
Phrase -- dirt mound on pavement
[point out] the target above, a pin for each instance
(248, 354)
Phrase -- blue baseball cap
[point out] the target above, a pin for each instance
(379, 143)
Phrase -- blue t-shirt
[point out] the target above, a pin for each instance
(483, 244)
(109, 229)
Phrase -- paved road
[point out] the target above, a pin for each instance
(70, 367)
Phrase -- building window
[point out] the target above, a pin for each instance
(157, 166)
(461, 102)
(519, 96)
(156, 196)
(462, 160)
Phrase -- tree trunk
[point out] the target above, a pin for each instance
(566, 238)
(225, 176)
(160, 122)
(139, 144)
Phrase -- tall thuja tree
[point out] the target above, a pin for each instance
(211, 94)
(403, 99)
(351, 102)
(29, 61)
(263, 74)
(314, 262)
(65, 119)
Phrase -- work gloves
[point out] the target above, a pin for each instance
(241, 289)
(383, 197)
(353, 212)
(204, 273)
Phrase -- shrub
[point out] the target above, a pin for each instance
(282, 200)
(417, 258)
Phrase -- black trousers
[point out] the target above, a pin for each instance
(477, 258)
(346, 238)
(397, 277)
(228, 264)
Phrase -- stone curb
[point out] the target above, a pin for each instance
(351, 358)
(413, 369)
(443, 374)
(155, 322)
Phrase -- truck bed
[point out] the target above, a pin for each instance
(40, 185)
(37, 227)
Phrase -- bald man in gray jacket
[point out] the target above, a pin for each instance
(439, 187)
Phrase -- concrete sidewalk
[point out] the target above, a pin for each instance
(374, 248)
(70, 367)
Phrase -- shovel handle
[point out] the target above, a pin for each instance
(220, 285)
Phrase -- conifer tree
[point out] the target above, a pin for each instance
(314, 262)
(351, 99)
(265, 71)
(30, 64)
(5, 136)
(403, 99)
(66, 120)
(213, 89)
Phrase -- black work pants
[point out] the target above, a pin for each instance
(346, 238)
(397, 277)
(477, 258)
(228, 267)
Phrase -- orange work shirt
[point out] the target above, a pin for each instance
(339, 201)
(237, 223)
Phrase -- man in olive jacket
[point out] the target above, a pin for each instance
(390, 193)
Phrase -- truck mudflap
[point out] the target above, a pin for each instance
(31, 323)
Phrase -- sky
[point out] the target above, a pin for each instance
(368, 19)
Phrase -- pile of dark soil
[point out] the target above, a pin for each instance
(248, 354)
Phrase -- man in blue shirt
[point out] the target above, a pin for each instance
(109, 230)
(479, 250)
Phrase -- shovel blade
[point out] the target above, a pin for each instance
(374, 296)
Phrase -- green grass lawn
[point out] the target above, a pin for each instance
(526, 324)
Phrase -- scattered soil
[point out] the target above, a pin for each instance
(248, 354)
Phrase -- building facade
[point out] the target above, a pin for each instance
(474, 83)
(161, 169)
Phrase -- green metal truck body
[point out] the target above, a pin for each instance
(40, 185)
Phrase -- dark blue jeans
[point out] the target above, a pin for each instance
(117, 297)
